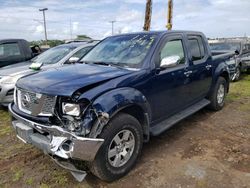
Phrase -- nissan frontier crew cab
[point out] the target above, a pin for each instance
(96, 115)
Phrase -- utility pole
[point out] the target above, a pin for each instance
(148, 13)
(170, 15)
(44, 23)
(112, 22)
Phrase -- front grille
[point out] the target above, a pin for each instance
(49, 105)
(34, 103)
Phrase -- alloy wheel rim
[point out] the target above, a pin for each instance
(237, 73)
(121, 148)
(221, 94)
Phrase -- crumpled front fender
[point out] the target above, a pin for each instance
(113, 101)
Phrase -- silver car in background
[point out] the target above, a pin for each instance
(60, 55)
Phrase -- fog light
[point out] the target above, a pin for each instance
(67, 145)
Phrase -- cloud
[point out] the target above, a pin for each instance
(216, 18)
(39, 29)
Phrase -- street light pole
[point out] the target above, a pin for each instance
(44, 23)
(112, 22)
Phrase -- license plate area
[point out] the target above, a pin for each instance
(23, 131)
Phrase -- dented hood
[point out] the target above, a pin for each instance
(64, 81)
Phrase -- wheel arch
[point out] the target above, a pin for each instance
(125, 100)
(226, 76)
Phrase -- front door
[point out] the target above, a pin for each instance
(169, 87)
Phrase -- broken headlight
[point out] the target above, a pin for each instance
(71, 109)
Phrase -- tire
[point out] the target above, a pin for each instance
(218, 95)
(107, 168)
(237, 74)
(248, 70)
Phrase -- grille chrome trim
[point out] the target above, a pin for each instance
(34, 103)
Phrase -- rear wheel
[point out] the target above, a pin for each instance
(122, 145)
(218, 95)
(248, 70)
(237, 74)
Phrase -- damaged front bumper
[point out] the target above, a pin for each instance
(56, 141)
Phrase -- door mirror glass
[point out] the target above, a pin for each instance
(73, 59)
(170, 61)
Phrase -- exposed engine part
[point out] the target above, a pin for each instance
(72, 124)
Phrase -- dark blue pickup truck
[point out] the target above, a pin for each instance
(96, 114)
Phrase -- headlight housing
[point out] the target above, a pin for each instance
(71, 109)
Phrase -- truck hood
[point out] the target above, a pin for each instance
(65, 80)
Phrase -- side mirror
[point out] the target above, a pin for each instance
(73, 59)
(36, 66)
(170, 61)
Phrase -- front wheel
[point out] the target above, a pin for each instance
(122, 145)
(218, 95)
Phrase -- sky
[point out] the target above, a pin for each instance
(68, 18)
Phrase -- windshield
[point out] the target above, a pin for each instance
(53, 55)
(126, 51)
(225, 46)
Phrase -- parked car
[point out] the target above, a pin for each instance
(240, 62)
(129, 87)
(13, 51)
(245, 57)
(54, 57)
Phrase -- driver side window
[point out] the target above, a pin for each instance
(173, 48)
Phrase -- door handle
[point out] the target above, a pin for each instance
(208, 67)
(187, 74)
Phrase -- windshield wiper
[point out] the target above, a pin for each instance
(93, 62)
(101, 63)
(119, 65)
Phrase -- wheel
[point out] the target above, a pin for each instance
(237, 74)
(248, 70)
(218, 95)
(123, 139)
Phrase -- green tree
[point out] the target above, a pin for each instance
(82, 37)
(51, 43)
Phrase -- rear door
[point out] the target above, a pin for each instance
(200, 69)
(10, 53)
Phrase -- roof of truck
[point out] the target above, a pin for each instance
(162, 32)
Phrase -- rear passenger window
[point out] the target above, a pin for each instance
(196, 48)
(9, 49)
(246, 48)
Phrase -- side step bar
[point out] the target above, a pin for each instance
(166, 124)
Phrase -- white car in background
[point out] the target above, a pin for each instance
(54, 57)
